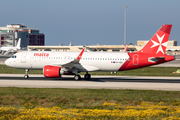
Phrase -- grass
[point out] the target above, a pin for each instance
(89, 98)
(8, 70)
(62, 103)
(147, 71)
(82, 98)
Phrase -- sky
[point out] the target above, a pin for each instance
(92, 22)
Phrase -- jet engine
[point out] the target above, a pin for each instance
(54, 71)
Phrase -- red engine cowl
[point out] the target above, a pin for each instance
(51, 71)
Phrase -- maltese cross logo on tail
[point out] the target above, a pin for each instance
(160, 44)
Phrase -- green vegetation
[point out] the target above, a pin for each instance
(8, 70)
(61, 103)
(147, 71)
(82, 98)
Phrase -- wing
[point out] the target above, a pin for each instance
(8, 51)
(75, 61)
(70, 64)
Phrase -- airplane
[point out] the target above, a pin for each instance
(7, 50)
(55, 63)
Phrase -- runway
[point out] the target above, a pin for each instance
(97, 82)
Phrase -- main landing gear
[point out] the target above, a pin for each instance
(87, 76)
(77, 77)
(26, 75)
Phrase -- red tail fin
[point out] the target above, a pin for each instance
(158, 43)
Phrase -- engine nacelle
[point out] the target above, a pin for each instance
(52, 71)
(55, 71)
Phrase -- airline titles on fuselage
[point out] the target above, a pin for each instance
(41, 54)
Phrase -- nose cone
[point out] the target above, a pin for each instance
(8, 62)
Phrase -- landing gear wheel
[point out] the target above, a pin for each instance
(26, 76)
(77, 77)
(87, 76)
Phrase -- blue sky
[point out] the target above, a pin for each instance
(89, 22)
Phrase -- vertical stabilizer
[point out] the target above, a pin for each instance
(158, 43)
(19, 43)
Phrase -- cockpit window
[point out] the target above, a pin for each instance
(14, 56)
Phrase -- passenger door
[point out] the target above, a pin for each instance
(23, 58)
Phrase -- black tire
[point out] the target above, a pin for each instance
(87, 76)
(77, 77)
(26, 76)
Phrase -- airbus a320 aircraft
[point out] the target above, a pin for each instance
(55, 64)
(7, 50)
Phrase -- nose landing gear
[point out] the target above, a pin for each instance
(26, 75)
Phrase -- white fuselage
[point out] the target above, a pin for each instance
(90, 61)
(9, 48)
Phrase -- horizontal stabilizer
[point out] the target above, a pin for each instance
(155, 59)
